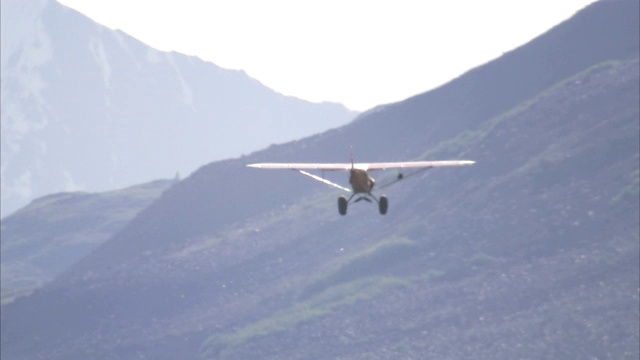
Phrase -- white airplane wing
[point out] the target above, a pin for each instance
(302, 166)
(361, 166)
(415, 164)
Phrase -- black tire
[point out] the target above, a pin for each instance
(342, 205)
(383, 205)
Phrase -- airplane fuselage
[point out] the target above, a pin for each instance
(360, 181)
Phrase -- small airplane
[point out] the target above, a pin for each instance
(361, 182)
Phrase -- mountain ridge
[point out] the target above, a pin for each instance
(69, 84)
(530, 253)
(414, 130)
(50, 234)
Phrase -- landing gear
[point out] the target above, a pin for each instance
(383, 205)
(342, 205)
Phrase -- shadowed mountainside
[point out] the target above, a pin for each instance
(49, 235)
(531, 253)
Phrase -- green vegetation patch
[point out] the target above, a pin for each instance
(358, 278)
(316, 306)
(482, 259)
(44, 238)
(458, 145)
(369, 262)
(632, 190)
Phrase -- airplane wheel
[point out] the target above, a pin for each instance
(383, 205)
(342, 205)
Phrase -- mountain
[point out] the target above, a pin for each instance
(532, 252)
(88, 108)
(49, 235)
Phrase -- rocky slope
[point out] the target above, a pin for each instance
(531, 253)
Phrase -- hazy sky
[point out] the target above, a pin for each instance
(359, 53)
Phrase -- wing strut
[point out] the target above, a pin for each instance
(325, 181)
(402, 177)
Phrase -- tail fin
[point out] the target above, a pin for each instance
(351, 157)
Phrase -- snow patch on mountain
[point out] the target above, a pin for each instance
(154, 56)
(97, 49)
(187, 94)
(87, 107)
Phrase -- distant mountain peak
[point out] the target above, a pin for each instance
(85, 103)
(533, 250)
